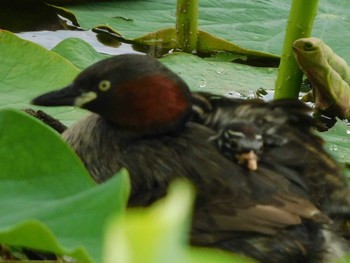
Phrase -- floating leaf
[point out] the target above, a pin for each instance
(28, 70)
(208, 43)
(256, 25)
(338, 141)
(77, 51)
(164, 38)
(220, 77)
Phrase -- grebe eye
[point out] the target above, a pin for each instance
(104, 85)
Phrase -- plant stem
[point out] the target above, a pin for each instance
(300, 22)
(187, 25)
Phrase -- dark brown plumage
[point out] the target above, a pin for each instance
(289, 142)
(144, 120)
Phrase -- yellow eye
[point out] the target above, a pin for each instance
(104, 85)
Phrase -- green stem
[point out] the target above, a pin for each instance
(187, 25)
(300, 22)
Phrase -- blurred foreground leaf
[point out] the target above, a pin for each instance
(48, 199)
(159, 234)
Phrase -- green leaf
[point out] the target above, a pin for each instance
(338, 141)
(131, 19)
(257, 25)
(200, 255)
(28, 70)
(163, 38)
(332, 24)
(219, 77)
(48, 199)
(163, 240)
(78, 52)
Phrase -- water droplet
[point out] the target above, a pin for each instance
(333, 148)
(202, 83)
(220, 70)
(72, 109)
